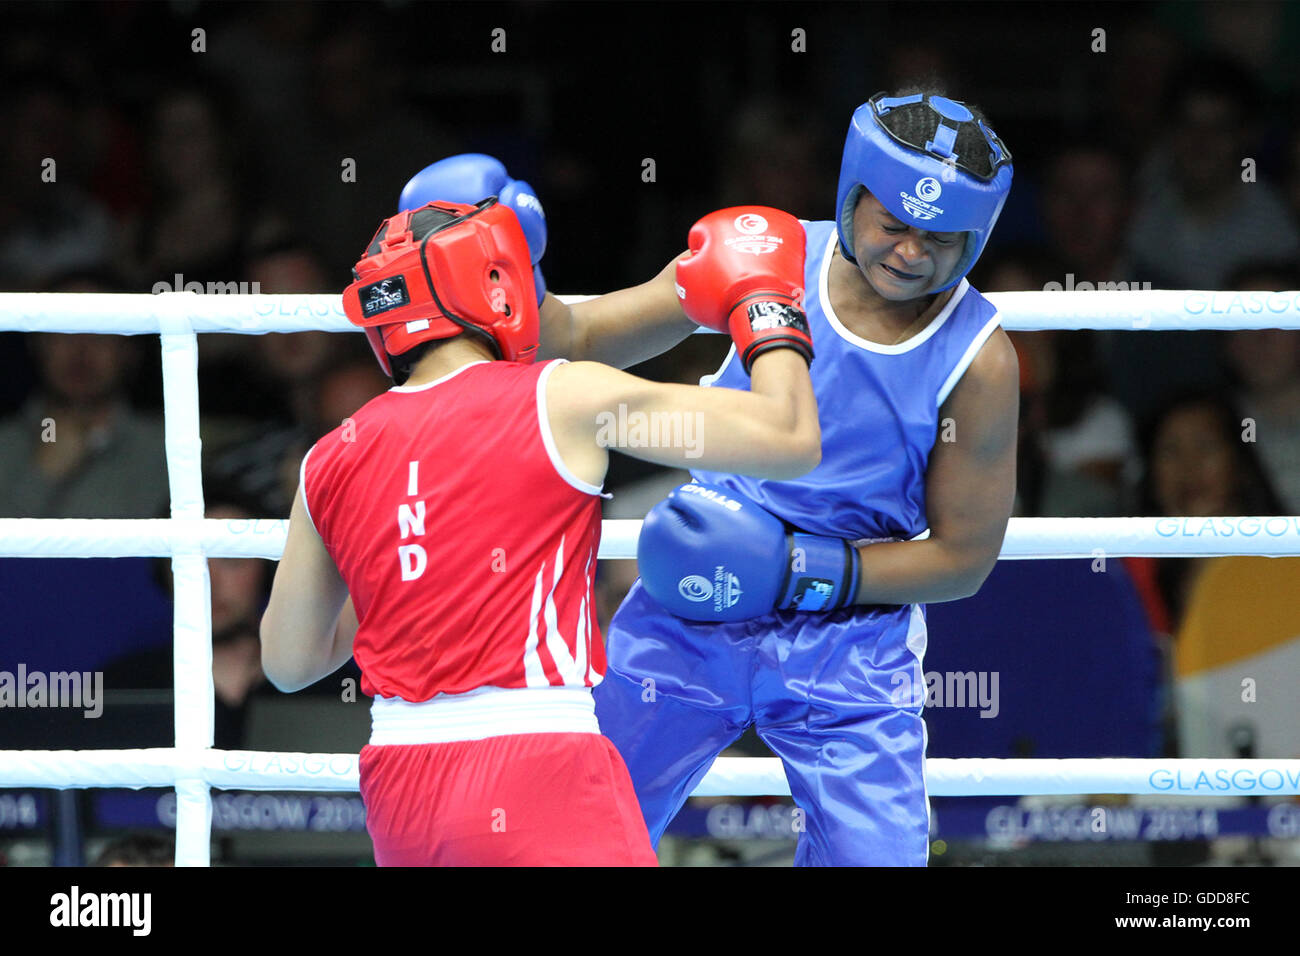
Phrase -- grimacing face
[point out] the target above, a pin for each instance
(900, 261)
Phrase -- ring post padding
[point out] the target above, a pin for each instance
(192, 615)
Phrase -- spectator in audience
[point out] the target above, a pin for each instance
(240, 588)
(276, 373)
(265, 465)
(1076, 441)
(203, 210)
(343, 390)
(1264, 365)
(1141, 65)
(267, 425)
(77, 449)
(295, 360)
(1210, 214)
(265, 55)
(1085, 437)
(1204, 216)
(354, 81)
(1196, 465)
(1235, 653)
(1018, 268)
(51, 224)
(1086, 201)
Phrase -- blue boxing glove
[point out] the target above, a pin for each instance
(711, 554)
(471, 178)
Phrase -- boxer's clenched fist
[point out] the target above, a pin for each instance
(745, 276)
(712, 554)
(473, 177)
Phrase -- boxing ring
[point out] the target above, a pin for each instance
(192, 767)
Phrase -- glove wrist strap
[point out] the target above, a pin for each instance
(761, 323)
(822, 574)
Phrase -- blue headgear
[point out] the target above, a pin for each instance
(930, 188)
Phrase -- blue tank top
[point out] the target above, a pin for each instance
(879, 411)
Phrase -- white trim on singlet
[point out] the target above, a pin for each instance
(302, 489)
(918, 639)
(967, 357)
(925, 788)
(556, 645)
(916, 341)
(437, 381)
(548, 437)
(481, 713)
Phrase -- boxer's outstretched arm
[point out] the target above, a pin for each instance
(771, 431)
(970, 491)
(621, 328)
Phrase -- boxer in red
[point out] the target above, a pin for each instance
(446, 535)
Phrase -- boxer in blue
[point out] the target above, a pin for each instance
(798, 606)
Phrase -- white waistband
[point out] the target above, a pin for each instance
(483, 712)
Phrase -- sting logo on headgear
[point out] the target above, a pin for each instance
(910, 178)
(443, 269)
(383, 295)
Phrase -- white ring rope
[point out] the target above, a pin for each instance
(729, 776)
(1027, 538)
(193, 767)
(141, 313)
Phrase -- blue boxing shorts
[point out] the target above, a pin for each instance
(838, 697)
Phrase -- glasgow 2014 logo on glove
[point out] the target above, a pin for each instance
(724, 589)
(753, 238)
(695, 587)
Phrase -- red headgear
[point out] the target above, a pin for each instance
(433, 272)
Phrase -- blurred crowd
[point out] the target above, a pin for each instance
(1173, 162)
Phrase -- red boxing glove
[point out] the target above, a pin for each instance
(745, 276)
